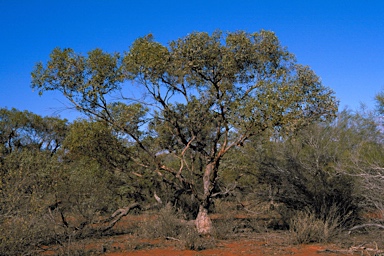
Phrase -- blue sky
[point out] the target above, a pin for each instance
(342, 41)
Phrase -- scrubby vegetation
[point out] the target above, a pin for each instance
(317, 185)
(255, 134)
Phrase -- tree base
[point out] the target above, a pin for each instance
(203, 222)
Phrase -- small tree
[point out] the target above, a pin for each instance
(204, 95)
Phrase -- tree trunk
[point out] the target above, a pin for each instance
(203, 222)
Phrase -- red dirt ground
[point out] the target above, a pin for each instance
(231, 248)
(258, 244)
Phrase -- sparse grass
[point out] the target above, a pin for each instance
(70, 249)
(224, 228)
(168, 225)
(230, 227)
(306, 227)
(234, 218)
(191, 240)
(165, 228)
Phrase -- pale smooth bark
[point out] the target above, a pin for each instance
(203, 222)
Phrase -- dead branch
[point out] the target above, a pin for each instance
(250, 211)
(353, 249)
(366, 225)
(117, 215)
(172, 238)
(225, 192)
(182, 159)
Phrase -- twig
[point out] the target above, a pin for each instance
(366, 225)
(172, 238)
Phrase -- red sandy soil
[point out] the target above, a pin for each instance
(259, 244)
(242, 247)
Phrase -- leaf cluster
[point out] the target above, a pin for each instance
(21, 129)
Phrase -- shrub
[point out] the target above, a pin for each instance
(307, 227)
(166, 224)
(308, 171)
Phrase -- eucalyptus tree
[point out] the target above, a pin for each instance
(24, 129)
(202, 95)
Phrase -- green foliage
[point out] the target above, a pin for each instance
(240, 88)
(23, 129)
(45, 200)
(46, 193)
(201, 96)
(25, 193)
(97, 141)
(83, 190)
(235, 82)
(302, 174)
(380, 102)
(83, 80)
(364, 159)
(250, 79)
(128, 118)
(323, 167)
(223, 114)
(100, 146)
